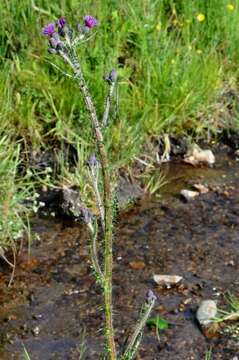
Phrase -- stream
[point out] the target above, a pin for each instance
(53, 307)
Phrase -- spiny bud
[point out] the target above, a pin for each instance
(111, 77)
(150, 297)
(91, 162)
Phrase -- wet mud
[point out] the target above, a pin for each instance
(54, 306)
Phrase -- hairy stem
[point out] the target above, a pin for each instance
(108, 215)
(94, 180)
(94, 252)
(108, 101)
(134, 343)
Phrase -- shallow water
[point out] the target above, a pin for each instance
(53, 307)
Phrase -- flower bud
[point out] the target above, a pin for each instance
(86, 215)
(82, 29)
(150, 297)
(111, 77)
(55, 41)
(52, 51)
(61, 22)
(91, 162)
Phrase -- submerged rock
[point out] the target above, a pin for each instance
(196, 156)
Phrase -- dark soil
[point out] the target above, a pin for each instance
(54, 305)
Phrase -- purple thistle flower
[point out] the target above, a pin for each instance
(61, 22)
(48, 30)
(90, 21)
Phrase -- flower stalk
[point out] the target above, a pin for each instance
(135, 338)
(108, 211)
(111, 80)
(63, 43)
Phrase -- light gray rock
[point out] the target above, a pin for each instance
(206, 312)
(196, 156)
(189, 194)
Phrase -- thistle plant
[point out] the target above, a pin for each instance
(63, 42)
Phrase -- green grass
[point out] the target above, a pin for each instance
(172, 71)
(232, 309)
(208, 355)
(14, 192)
(228, 317)
(26, 356)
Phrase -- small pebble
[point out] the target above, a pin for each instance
(37, 316)
(206, 312)
(189, 194)
(36, 331)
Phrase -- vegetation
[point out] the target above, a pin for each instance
(63, 42)
(229, 317)
(14, 193)
(177, 61)
(177, 65)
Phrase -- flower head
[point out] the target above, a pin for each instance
(90, 21)
(48, 30)
(200, 17)
(61, 22)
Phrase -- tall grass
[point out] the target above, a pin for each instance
(13, 193)
(174, 60)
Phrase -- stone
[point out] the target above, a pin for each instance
(189, 194)
(206, 312)
(196, 156)
(167, 279)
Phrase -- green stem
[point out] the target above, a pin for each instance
(133, 343)
(108, 101)
(108, 215)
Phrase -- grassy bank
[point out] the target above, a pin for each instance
(176, 61)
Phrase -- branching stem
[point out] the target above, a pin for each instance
(108, 213)
(94, 179)
(94, 252)
(133, 342)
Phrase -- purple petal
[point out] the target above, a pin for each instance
(61, 22)
(90, 21)
(48, 30)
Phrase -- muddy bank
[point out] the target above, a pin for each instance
(53, 307)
